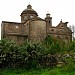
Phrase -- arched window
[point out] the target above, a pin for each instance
(25, 17)
(52, 29)
(49, 21)
(31, 16)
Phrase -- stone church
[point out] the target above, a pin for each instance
(34, 28)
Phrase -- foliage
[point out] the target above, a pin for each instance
(42, 71)
(26, 55)
(69, 65)
(53, 45)
(72, 46)
(8, 53)
(32, 55)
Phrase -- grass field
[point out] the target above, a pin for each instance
(46, 71)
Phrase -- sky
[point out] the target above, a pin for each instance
(10, 10)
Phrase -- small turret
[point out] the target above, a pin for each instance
(48, 19)
(47, 15)
(29, 7)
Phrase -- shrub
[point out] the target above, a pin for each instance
(69, 66)
(72, 46)
(30, 54)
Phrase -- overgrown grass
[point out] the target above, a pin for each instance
(45, 71)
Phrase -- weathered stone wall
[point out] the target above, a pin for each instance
(34, 28)
(25, 17)
(13, 31)
(11, 27)
(34, 31)
(17, 39)
(62, 33)
(37, 30)
(26, 28)
(2, 30)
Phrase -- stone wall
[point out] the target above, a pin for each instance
(11, 27)
(13, 31)
(26, 28)
(37, 30)
(62, 33)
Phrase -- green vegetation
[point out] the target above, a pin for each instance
(41, 58)
(45, 71)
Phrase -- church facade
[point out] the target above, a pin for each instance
(34, 28)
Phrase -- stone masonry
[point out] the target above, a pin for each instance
(34, 28)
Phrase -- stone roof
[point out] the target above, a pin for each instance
(38, 18)
(29, 10)
(11, 22)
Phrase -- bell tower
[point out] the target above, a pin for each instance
(48, 20)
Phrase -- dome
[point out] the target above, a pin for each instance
(29, 10)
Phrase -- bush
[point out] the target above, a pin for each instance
(69, 66)
(31, 55)
(26, 55)
(72, 46)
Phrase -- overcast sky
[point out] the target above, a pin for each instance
(10, 10)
